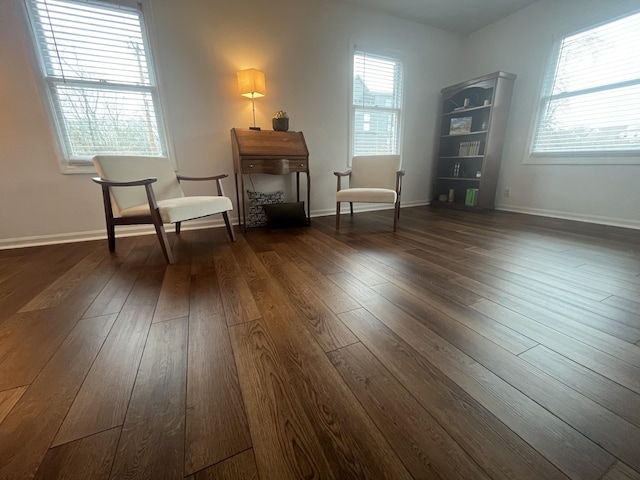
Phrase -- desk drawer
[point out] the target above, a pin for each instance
(274, 166)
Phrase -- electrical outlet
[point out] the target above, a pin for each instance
(507, 192)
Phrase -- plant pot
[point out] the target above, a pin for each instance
(280, 124)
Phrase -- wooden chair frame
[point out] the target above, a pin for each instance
(396, 213)
(154, 217)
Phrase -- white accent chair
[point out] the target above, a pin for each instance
(146, 190)
(372, 179)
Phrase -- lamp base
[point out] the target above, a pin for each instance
(254, 128)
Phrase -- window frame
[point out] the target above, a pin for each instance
(45, 84)
(390, 55)
(601, 157)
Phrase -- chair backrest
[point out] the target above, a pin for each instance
(119, 168)
(374, 171)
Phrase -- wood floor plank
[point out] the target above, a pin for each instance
(10, 266)
(26, 433)
(8, 399)
(240, 466)
(115, 292)
(565, 446)
(173, 301)
(572, 276)
(489, 286)
(63, 285)
(28, 340)
(623, 304)
(284, 442)
(273, 299)
(566, 326)
(624, 325)
(620, 471)
(624, 373)
(413, 272)
(345, 431)
(326, 328)
(87, 458)
(426, 449)
(303, 273)
(327, 247)
(442, 315)
(496, 449)
(616, 398)
(216, 426)
(152, 441)
(46, 266)
(344, 441)
(239, 305)
(102, 401)
(616, 435)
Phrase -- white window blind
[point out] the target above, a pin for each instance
(377, 104)
(95, 61)
(591, 99)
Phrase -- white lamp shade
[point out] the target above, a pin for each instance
(251, 83)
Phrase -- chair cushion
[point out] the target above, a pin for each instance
(286, 215)
(367, 195)
(256, 216)
(183, 208)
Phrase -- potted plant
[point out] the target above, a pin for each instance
(280, 121)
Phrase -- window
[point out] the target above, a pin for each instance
(591, 95)
(95, 62)
(376, 106)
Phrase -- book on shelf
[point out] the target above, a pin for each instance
(471, 199)
(469, 149)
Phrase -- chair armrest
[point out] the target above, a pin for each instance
(217, 178)
(134, 183)
(339, 176)
(196, 179)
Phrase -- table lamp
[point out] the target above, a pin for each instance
(251, 84)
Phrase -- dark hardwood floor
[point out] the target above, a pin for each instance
(462, 346)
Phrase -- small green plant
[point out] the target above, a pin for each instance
(280, 114)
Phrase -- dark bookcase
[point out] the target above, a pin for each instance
(473, 123)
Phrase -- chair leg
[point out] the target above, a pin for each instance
(337, 215)
(396, 216)
(111, 236)
(351, 208)
(232, 236)
(178, 224)
(162, 237)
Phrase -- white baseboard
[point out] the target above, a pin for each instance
(122, 231)
(367, 207)
(614, 222)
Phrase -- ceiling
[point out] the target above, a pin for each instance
(460, 16)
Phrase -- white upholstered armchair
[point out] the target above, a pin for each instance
(141, 190)
(372, 179)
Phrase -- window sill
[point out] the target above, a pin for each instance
(599, 158)
(77, 169)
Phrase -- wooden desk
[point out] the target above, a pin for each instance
(270, 152)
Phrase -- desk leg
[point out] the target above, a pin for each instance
(238, 200)
(309, 196)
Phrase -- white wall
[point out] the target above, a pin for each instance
(521, 44)
(303, 48)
